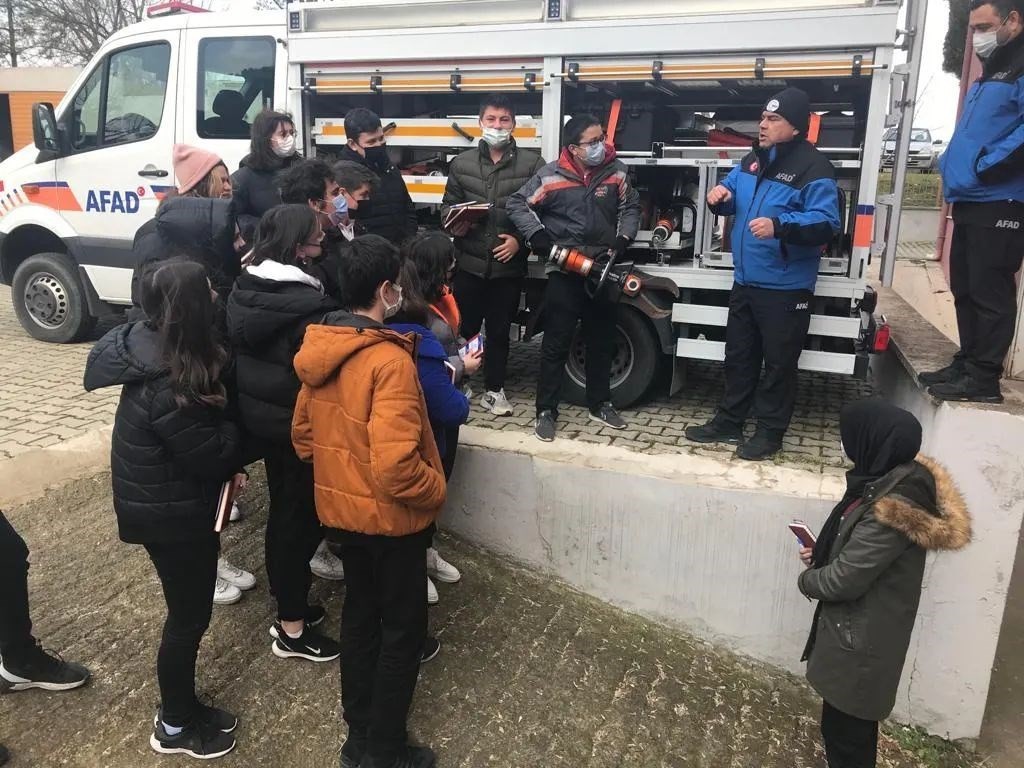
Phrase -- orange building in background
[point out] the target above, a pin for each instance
(20, 88)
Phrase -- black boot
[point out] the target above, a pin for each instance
(354, 749)
(714, 431)
(943, 375)
(760, 447)
(966, 388)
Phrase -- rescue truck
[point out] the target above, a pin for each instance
(680, 83)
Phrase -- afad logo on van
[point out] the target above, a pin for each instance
(113, 201)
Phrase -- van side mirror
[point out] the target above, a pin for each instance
(45, 132)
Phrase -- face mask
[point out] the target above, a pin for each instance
(283, 147)
(377, 157)
(390, 310)
(595, 154)
(341, 205)
(497, 137)
(985, 43)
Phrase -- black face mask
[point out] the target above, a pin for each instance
(377, 157)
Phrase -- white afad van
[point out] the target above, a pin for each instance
(680, 85)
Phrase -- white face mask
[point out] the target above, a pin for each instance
(595, 154)
(390, 310)
(283, 147)
(497, 137)
(985, 43)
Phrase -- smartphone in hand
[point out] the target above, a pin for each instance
(474, 345)
(803, 533)
(452, 373)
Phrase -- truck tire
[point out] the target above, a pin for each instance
(635, 363)
(49, 299)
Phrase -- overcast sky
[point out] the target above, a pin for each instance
(938, 92)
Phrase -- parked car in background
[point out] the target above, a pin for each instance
(924, 151)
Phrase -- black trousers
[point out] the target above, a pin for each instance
(768, 327)
(293, 530)
(188, 573)
(983, 261)
(566, 303)
(383, 625)
(451, 447)
(15, 624)
(494, 302)
(849, 741)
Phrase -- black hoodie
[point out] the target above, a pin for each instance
(199, 228)
(167, 462)
(268, 312)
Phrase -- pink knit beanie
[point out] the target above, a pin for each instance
(191, 165)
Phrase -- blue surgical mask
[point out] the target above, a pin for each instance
(341, 205)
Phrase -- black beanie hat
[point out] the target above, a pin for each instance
(794, 105)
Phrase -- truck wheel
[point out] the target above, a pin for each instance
(635, 362)
(49, 299)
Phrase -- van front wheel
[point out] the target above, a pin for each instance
(49, 299)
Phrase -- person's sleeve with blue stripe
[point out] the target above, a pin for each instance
(1006, 157)
(817, 221)
(728, 208)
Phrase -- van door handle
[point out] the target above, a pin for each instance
(153, 172)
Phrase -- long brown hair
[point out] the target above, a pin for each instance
(175, 295)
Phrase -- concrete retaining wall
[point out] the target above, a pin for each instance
(702, 543)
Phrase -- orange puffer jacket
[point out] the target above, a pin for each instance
(361, 419)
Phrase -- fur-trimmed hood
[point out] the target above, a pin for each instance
(924, 504)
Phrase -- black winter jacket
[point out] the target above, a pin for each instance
(199, 228)
(255, 191)
(167, 462)
(587, 212)
(267, 319)
(473, 177)
(390, 211)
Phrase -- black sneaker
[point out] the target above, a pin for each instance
(198, 739)
(966, 389)
(431, 648)
(412, 757)
(4, 755)
(311, 645)
(943, 375)
(315, 615)
(221, 719)
(353, 750)
(714, 432)
(42, 669)
(759, 447)
(545, 428)
(607, 415)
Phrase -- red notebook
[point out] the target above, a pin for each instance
(224, 502)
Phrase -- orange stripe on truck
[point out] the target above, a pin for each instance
(864, 230)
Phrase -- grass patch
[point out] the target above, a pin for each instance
(922, 190)
(931, 751)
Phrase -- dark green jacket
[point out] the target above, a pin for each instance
(473, 177)
(871, 586)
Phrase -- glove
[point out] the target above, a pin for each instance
(541, 243)
(621, 245)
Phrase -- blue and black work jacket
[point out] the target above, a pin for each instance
(794, 185)
(984, 162)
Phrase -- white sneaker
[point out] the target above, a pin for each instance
(497, 403)
(232, 574)
(441, 569)
(236, 513)
(225, 593)
(326, 564)
(432, 596)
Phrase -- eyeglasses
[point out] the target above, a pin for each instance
(599, 140)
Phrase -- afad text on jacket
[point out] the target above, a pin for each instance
(794, 185)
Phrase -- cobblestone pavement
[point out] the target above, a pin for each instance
(41, 397)
(657, 425)
(42, 403)
(531, 673)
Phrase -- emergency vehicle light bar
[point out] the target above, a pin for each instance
(172, 7)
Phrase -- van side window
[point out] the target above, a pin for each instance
(236, 81)
(123, 99)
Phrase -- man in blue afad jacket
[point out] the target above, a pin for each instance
(983, 177)
(786, 207)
